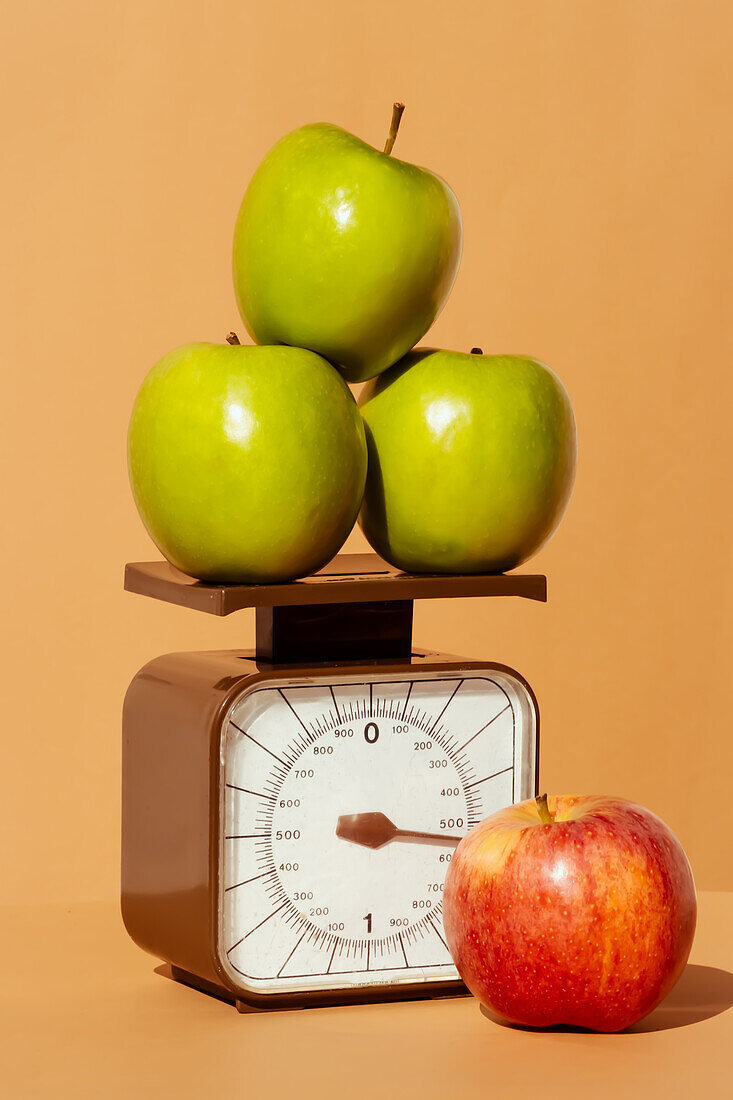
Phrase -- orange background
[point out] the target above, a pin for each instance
(589, 145)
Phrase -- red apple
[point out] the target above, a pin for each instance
(573, 910)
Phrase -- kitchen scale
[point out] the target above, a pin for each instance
(289, 814)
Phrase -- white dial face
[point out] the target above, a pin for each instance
(324, 782)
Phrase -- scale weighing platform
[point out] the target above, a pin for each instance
(288, 814)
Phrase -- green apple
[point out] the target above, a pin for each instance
(471, 461)
(343, 249)
(247, 464)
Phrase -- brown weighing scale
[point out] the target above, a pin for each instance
(288, 814)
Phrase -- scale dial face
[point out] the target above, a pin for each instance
(316, 892)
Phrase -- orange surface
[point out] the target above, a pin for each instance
(85, 1015)
(589, 144)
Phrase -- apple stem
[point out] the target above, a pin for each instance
(394, 126)
(232, 338)
(546, 816)
(477, 351)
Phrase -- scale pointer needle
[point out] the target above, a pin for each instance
(374, 830)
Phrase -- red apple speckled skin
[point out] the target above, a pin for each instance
(586, 920)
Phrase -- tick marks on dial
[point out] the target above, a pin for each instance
(486, 777)
(450, 700)
(256, 742)
(291, 954)
(335, 704)
(407, 700)
(269, 916)
(502, 711)
(308, 733)
(437, 933)
(253, 879)
(257, 794)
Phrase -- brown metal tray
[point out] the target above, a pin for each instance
(348, 578)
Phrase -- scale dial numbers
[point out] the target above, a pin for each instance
(336, 796)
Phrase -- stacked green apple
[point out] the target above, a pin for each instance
(251, 463)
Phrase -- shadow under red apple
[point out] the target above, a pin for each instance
(701, 992)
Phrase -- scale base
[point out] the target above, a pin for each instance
(311, 1000)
